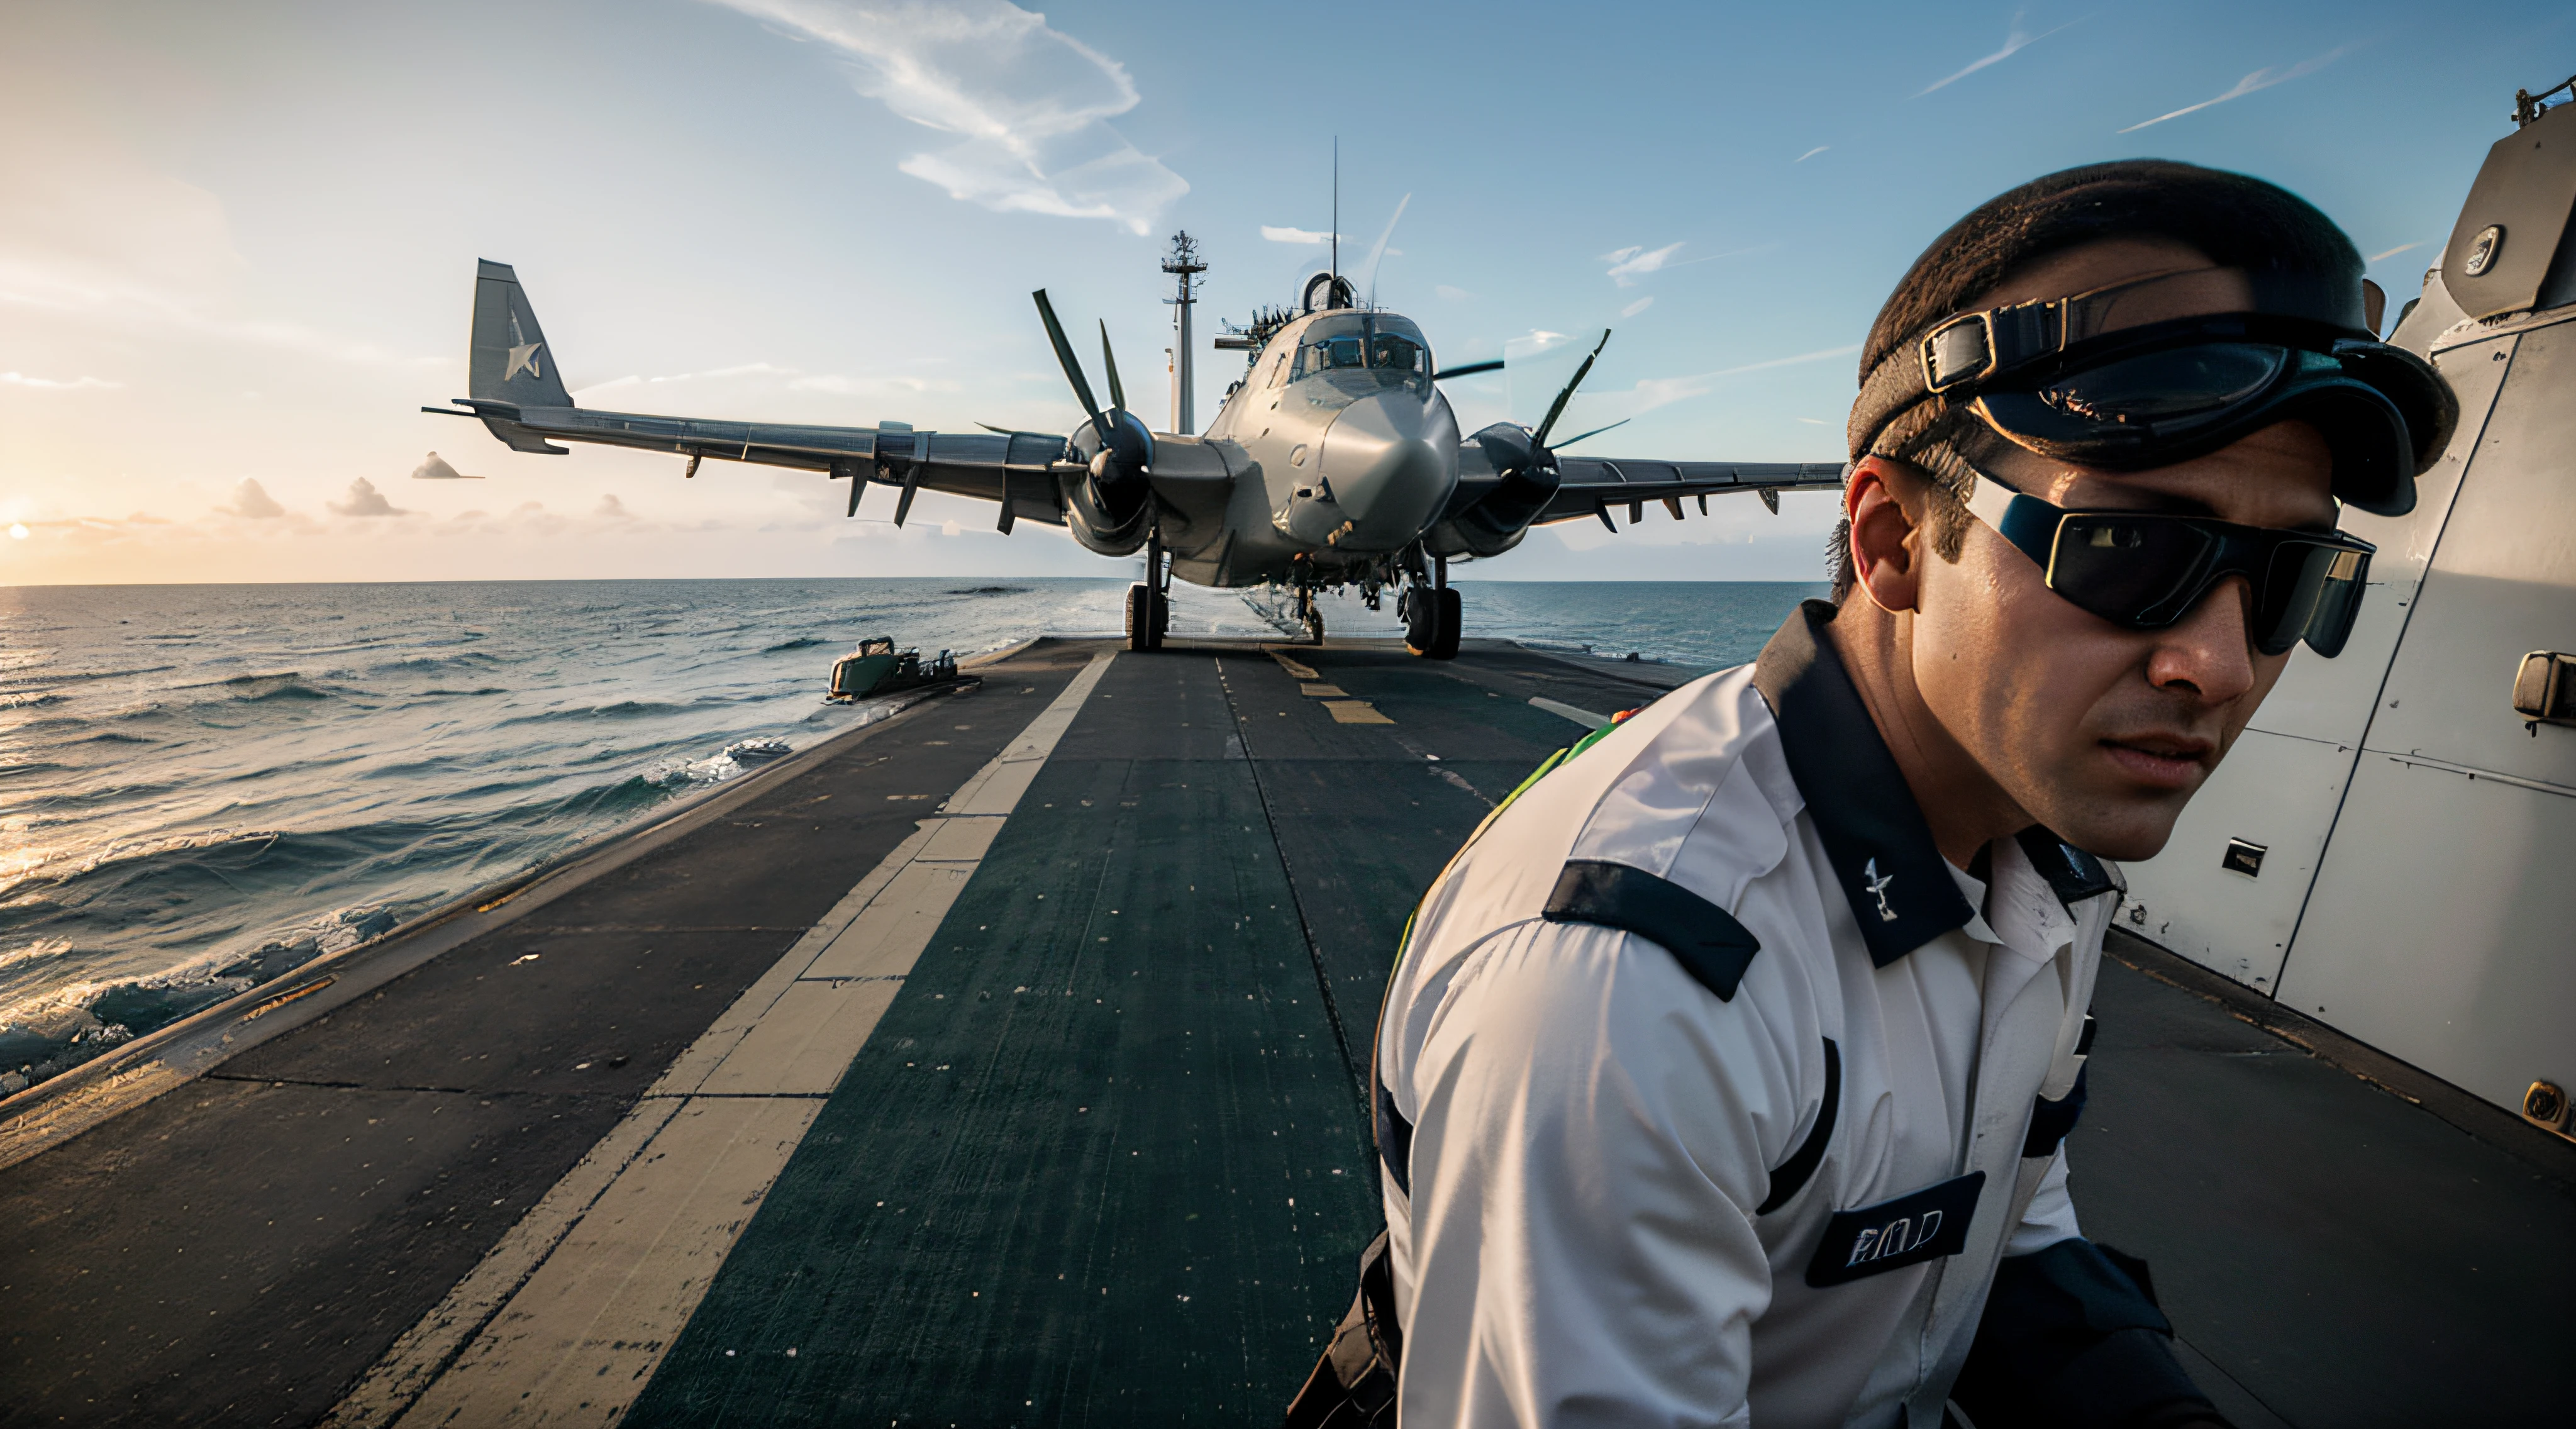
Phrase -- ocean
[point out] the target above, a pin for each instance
(205, 787)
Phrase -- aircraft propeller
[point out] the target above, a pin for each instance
(1126, 446)
(1124, 440)
(1556, 409)
(1596, 431)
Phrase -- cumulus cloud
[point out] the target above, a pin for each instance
(2260, 79)
(52, 384)
(365, 500)
(437, 469)
(1308, 237)
(249, 500)
(1030, 105)
(611, 509)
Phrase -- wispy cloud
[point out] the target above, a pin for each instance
(2393, 252)
(1308, 236)
(2260, 79)
(50, 384)
(1636, 307)
(437, 469)
(1653, 392)
(365, 500)
(1629, 264)
(2016, 39)
(1811, 153)
(1030, 104)
(796, 380)
(1455, 295)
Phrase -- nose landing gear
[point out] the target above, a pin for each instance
(1432, 617)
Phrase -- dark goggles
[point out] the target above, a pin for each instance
(2147, 570)
(2102, 380)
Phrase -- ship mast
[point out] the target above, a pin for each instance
(1183, 261)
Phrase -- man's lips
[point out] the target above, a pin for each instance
(2166, 761)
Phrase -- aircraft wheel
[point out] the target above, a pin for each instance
(1149, 614)
(1432, 623)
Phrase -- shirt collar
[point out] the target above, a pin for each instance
(1901, 889)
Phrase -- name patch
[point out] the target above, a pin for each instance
(1915, 1227)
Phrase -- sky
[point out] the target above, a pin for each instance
(238, 244)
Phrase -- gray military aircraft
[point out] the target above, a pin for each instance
(1335, 461)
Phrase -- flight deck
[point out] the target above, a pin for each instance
(1000, 1062)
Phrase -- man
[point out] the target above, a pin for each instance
(1724, 1076)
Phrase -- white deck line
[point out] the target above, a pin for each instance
(1579, 715)
(564, 1322)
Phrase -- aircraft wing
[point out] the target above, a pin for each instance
(1014, 469)
(1591, 486)
(519, 394)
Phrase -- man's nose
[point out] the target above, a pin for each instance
(2209, 652)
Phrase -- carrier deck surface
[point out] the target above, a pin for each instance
(998, 1064)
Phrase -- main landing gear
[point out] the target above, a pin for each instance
(1149, 601)
(1432, 616)
(1310, 614)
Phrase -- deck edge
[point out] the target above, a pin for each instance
(2465, 1111)
(59, 1109)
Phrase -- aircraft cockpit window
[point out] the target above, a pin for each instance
(1362, 353)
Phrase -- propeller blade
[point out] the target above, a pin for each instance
(1538, 439)
(1596, 431)
(1469, 369)
(1379, 251)
(1117, 394)
(1072, 368)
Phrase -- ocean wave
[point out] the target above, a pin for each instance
(75, 677)
(801, 642)
(622, 709)
(51, 1032)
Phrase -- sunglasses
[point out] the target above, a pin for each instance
(2147, 570)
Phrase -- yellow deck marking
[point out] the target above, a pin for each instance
(1335, 690)
(1355, 712)
(566, 1319)
(1301, 671)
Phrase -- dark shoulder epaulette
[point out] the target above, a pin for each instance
(1712, 946)
(2072, 874)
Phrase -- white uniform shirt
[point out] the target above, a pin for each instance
(1584, 1134)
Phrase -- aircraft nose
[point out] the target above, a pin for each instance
(1388, 467)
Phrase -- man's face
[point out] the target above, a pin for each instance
(2103, 733)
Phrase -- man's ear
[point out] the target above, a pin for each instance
(1886, 540)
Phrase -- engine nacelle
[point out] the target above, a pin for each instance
(1498, 509)
(1110, 508)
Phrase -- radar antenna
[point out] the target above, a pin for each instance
(1184, 262)
(2528, 106)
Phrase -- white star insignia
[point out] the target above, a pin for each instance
(525, 356)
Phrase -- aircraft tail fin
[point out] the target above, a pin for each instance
(511, 361)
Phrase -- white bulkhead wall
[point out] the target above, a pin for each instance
(2408, 895)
